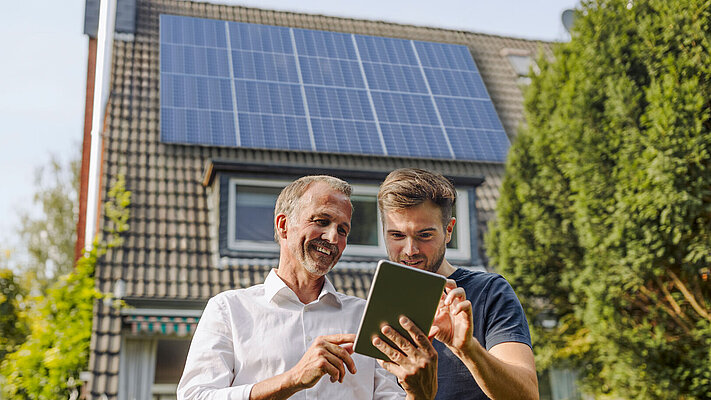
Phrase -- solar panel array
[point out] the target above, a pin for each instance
(258, 86)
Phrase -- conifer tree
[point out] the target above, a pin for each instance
(604, 219)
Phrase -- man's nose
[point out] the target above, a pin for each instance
(410, 248)
(331, 234)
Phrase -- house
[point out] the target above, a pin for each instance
(194, 190)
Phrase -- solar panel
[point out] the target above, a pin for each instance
(258, 86)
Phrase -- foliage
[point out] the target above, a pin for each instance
(50, 236)
(604, 219)
(47, 365)
(13, 327)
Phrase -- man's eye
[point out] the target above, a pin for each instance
(322, 222)
(342, 232)
(425, 235)
(397, 235)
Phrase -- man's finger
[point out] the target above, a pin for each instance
(343, 352)
(348, 347)
(401, 342)
(339, 338)
(450, 284)
(332, 366)
(455, 295)
(464, 306)
(393, 354)
(417, 335)
(434, 330)
(343, 355)
(390, 367)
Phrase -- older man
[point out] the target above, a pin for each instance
(483, 343)
(278, 339)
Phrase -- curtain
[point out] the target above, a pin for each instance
(563, 384)
(137, 368)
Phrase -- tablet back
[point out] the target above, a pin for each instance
(397, 290)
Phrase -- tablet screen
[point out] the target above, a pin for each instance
(397, 290)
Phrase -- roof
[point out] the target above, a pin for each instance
(166, 255)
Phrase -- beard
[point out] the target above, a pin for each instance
(436, 262)
(313, 260)
(430, 265)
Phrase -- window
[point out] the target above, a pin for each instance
(254, 204)
(522, 63)
(171, 355)
(150, 368)
(250, 220)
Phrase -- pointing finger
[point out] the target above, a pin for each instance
(339, 338)
(457, 294)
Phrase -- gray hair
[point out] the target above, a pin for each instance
(290, 197)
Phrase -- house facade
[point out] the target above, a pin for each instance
(201, 208)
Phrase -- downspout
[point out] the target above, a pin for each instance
(104, 45)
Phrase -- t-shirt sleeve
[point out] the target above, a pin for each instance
(504, 316)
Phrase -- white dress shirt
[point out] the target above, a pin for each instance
(248, 335)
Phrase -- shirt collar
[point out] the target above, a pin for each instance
(274, 285)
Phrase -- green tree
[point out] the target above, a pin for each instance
(48, 236)
(604, 219)
(48, 363)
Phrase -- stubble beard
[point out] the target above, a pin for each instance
(429, 266)
(439, 257)
(316, 266)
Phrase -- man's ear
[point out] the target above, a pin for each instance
(280, 223)
(449, 229)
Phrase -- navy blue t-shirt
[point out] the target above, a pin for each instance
(498, 318)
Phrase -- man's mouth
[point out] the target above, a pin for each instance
(323, 250)
(411, 263)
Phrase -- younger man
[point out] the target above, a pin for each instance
(483, 342)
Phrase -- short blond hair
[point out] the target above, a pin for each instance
(409, 187)
(290, 196)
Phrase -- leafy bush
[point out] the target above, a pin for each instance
(48, 363)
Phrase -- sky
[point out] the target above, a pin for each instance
(44, 60)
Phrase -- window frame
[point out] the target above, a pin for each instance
(463, 227)
(247, 245)
(359, 250)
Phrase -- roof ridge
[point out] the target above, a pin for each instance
(365, 20)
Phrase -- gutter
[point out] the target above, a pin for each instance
(102, 76)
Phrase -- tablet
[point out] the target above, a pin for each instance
(397, 290)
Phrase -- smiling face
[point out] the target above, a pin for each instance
(315, 236)
(415, 236)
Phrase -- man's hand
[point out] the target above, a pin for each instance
(325, 356)
(414, 363)
(453, 322)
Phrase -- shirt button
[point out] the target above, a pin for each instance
(309, 339)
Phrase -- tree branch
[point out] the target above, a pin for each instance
(676, 317)
(668, 296)
(645, 309)
(688, 296)
(699, 294)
